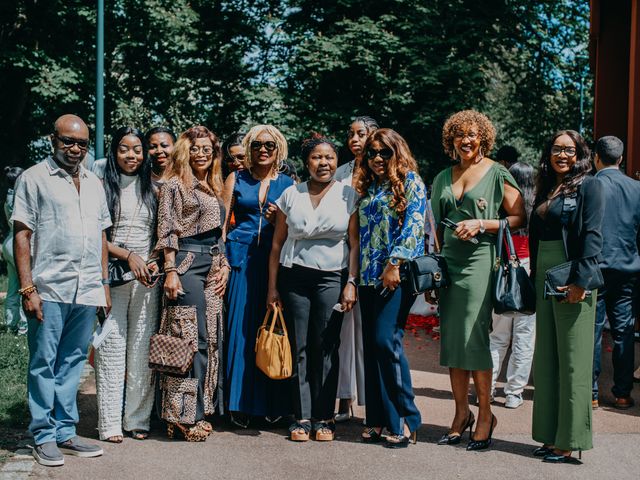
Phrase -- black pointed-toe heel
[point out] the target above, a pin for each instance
(542, 451)
(483, 444)
(401, 441)
(560, 458)
(448, 439)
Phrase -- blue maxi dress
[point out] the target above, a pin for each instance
(248, 246)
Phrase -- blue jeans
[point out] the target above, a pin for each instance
(617, 300)
(57, 353)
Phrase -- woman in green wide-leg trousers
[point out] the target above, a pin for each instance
(562, 362)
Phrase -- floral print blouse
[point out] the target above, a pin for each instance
(186, 211)
(382, 236)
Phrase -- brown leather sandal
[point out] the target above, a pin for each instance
(324, 431)
(299, 431)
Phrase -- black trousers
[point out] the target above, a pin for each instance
(308, 296)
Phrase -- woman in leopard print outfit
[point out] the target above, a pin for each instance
(190, 219)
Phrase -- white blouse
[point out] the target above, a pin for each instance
(317, 238)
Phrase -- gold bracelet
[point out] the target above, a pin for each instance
(27, 291)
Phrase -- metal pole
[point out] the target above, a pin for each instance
(581, 129)
(100, 82)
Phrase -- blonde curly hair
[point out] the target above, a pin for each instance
(464, 119)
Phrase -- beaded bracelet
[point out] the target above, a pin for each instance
(27, 291)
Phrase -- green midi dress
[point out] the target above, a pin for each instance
(466, 306)
(562, 362)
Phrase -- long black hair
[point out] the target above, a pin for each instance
(546, 179)
(112, 174)
(523, 174)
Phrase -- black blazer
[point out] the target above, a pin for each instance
(621, 221)
(584, 239)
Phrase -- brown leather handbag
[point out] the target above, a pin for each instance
(170, 355)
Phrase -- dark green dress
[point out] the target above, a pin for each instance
(465, 306)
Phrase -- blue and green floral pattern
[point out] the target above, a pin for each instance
(381, 234)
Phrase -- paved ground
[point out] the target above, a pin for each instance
(257, 452)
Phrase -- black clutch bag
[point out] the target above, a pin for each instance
(513, 291)
(561, 275)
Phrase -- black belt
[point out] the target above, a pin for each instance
(195, 248)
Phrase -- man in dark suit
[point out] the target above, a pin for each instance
(620, 267)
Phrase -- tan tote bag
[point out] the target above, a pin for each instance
(273, 351)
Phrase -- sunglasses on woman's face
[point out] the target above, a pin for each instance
(385, 153)
(269, 146)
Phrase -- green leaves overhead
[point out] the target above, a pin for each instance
(302, 65)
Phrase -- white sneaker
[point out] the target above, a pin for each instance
(513, 401)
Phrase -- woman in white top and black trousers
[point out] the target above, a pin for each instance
(314, 263)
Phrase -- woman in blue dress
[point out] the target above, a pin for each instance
(250, 195)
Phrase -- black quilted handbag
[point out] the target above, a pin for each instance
(513, 291)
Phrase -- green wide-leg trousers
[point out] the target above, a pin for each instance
(562, 362)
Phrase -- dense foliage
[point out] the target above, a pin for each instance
(301, 64)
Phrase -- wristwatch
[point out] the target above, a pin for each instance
(482, 228)
(396, 262)
(352, 280)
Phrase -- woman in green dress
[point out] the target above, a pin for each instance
(565, 225)
(472, 194)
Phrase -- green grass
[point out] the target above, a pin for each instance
(14, 358)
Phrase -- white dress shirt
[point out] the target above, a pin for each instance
(67, 225)
(317, 238)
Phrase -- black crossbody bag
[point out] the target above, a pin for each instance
(561, 275)
(427, 272)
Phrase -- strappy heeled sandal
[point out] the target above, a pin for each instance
(371, 435)
(195, 433)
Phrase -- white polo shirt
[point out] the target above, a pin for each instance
(66, 244)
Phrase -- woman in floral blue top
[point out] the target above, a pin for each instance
(391, 232)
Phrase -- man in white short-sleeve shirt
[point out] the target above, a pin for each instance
(60, 216)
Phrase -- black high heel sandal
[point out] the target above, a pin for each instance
(372, 435)
(401, 441)
(448, 439)
(483, 444)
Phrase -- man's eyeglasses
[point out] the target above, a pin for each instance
(385, 153)
(194, 150)
(68, 142)
(269, 146)
(568, 151)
